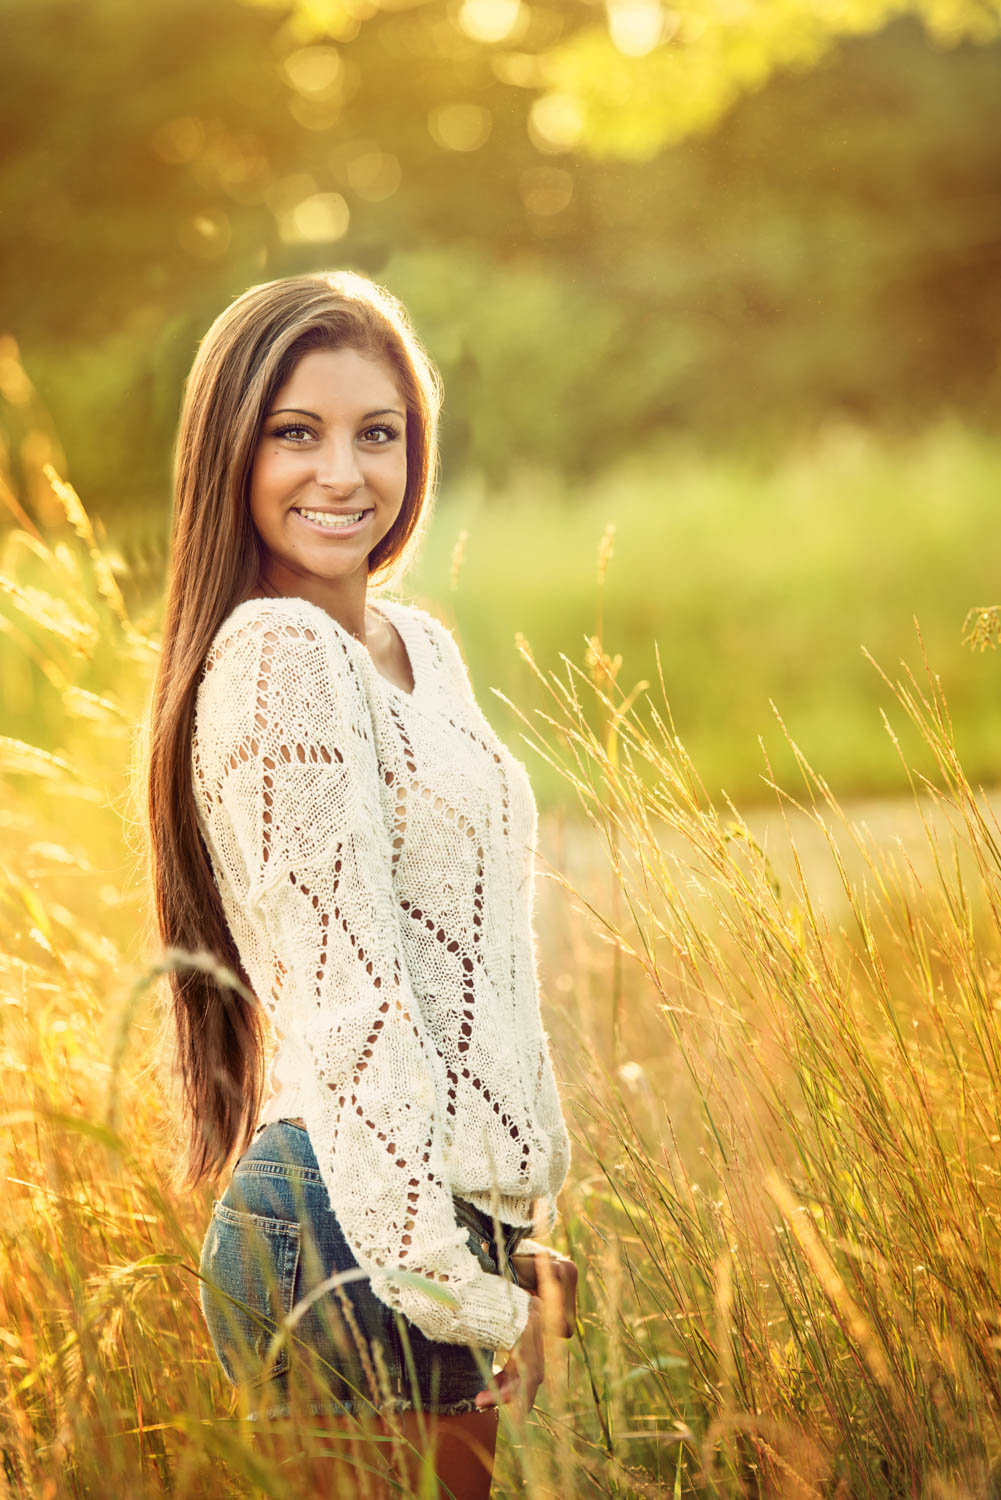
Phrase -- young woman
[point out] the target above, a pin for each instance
(347, 848)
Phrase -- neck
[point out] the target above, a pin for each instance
(344, 599)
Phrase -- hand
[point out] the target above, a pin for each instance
(525, 1370)
(553, 1278)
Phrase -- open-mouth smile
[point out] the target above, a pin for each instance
(327, 520)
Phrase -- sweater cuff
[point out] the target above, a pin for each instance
(495, 1312)
(492, 1312)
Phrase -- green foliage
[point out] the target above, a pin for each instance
(649, 78)
(825, 240)
(754, 582)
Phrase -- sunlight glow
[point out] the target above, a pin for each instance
(635, 26)
(489, 20)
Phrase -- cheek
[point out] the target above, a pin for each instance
(395, 471)
(266, 485)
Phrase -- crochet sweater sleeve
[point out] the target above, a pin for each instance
(300, 808)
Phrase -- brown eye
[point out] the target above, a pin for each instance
(384, 433)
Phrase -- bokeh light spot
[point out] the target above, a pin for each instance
(287, 193)
(490, 20)
(311, 19)
(374, 175)
(15, 386)
(460, 127)
(519, 69)
(314, 113)
(314, 70)
(242, 169)
(205, 235)
(635, 26)
(555, 122)
(316, 220)
(546, 190)
(179, 141)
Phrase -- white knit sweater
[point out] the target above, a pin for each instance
(373, 851)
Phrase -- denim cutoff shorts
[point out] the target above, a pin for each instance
(270, 1244)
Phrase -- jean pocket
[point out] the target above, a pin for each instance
(248, 1267)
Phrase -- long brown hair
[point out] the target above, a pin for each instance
(214, 1023)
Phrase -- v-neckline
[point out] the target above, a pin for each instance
(396, 615)
(393, 620)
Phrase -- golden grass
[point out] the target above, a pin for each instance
(786, 1109)
(808, 1162)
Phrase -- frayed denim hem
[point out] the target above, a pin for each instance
(353, 1408)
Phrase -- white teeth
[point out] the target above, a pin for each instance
(323, 518)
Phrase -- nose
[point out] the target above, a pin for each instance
(337, 468)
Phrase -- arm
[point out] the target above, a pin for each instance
(302, 796)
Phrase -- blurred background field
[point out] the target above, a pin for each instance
(715, 290)
(755, 582)
(727, 276)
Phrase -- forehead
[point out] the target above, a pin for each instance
(327, 379)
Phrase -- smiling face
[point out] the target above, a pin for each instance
(329, 474)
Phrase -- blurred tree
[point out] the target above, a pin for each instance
(133, 182)
(647, 74)
(816, 240)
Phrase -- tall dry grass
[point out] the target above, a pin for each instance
(782, 1078)
(113, 1384)
(805, 1162)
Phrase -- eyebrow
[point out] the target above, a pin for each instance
(300, 411)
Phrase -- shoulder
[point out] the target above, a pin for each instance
(261, 635)
(442, 645)
(282, 619)
(278, 657)
(418, 618)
